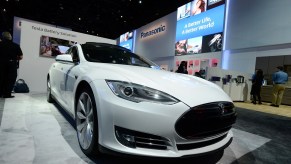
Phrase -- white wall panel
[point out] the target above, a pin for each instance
(33, 68)
(253, 23)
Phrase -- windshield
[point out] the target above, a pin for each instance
(106, 53)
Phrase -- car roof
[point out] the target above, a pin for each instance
(107, 45)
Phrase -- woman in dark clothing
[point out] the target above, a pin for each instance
(257, 82)
(182, 68)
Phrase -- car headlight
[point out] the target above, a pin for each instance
(138, 93)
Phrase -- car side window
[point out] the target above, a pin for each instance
(73, 51)
(75, 55)
(69, 51)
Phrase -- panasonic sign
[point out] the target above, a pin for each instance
(153, 31)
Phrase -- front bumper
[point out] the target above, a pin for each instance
(148, 118)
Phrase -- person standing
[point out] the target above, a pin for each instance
(279, 78)
(10, 54)
(182, 68)
(257, 82)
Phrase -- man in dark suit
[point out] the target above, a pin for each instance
(10, 54)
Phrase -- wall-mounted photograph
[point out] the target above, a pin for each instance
(51, 47)
(212, 43)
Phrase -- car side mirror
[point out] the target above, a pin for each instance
(64, 58)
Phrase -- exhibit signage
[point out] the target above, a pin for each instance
(154, 31)
(199, 27)
(52, 31)
(126, 40)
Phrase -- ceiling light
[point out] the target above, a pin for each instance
(121, 16)
(4, 10)
(139, 1)
(79, 18)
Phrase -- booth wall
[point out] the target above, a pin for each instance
(33, 68)
(159, 45)
(257, 23)
(17, 27)
(245, 60)
(254, 29)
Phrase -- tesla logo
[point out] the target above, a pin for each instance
(221, 106)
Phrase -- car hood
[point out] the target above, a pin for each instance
(189, 89)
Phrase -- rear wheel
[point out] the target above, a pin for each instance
(48, 93)
(86, 122)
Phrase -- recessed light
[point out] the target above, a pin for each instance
(139, 1)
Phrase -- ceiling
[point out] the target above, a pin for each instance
(105, 18)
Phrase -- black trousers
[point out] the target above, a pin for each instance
(8, 74)
(256, 92)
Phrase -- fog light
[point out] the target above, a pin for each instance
(124, 137)
(129, 138)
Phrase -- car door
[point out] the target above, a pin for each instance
(58, 79)
(71, 73)
(55, 78)
(57, 75)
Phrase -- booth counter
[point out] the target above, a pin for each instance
(236, 84)
(266, 94)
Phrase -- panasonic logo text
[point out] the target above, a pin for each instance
(153, 32)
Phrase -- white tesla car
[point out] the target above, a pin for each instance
(122, 103)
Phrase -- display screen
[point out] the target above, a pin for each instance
(199, 27)
(51, 47)
(126, 40)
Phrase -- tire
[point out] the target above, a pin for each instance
(87, 122)
(49, 94)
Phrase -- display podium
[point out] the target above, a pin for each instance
(237, 92)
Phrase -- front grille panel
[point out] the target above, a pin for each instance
(151, 143)
(206, 120)
(199, 144)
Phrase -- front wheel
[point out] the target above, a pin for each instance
(86, 122)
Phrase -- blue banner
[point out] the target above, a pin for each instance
(127, 44)
(205, 23)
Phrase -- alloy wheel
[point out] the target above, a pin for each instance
(85, 120)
